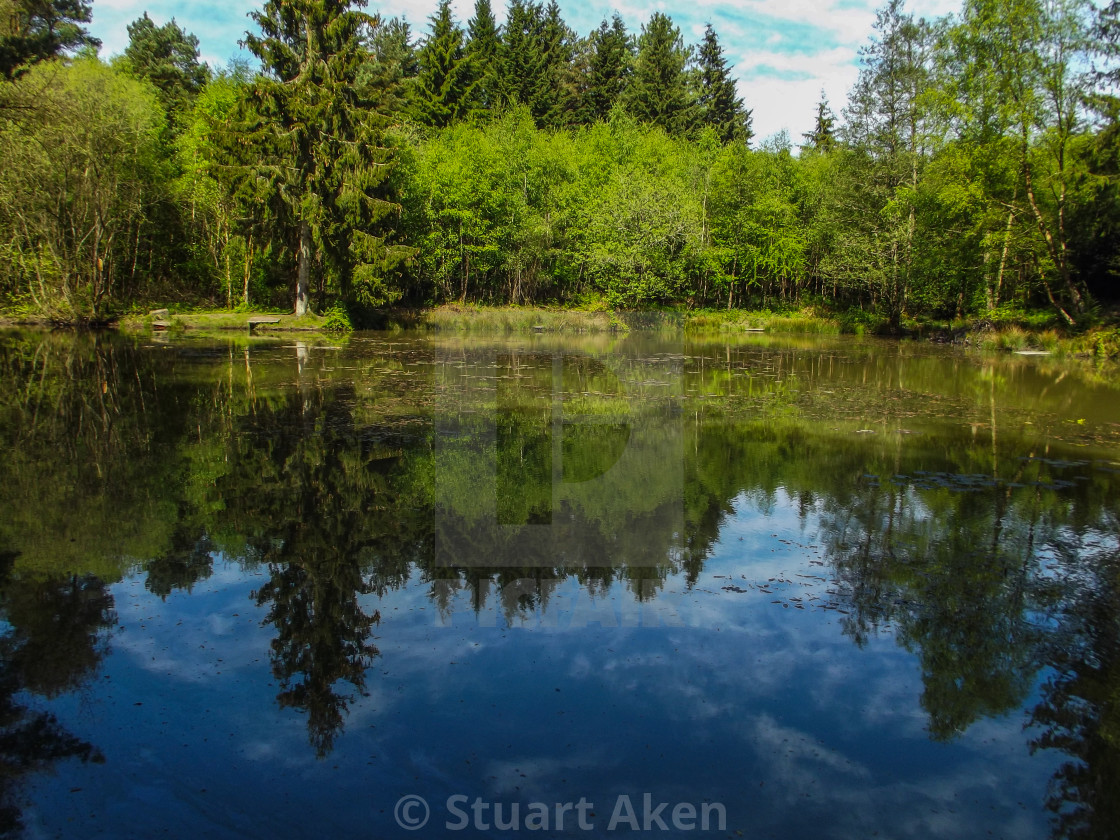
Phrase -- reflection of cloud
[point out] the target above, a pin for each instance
(187, 637)
(746, 695)
(797, 758)
(534, 773)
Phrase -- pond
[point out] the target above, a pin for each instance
(417, 585)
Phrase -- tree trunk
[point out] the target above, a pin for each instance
(993, 295)
(1056, 248)
(248, 266)
(304, 273)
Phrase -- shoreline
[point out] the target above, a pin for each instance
(1024, 333)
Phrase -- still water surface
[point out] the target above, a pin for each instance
(807, 589)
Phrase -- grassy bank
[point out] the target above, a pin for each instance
(1002, 331)
(224, 322)
(1010, 331)
(527, 319)
(998, 332)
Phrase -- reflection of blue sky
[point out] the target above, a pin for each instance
(767, 709)
(784, 51)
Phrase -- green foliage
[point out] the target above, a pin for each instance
(167, 57)
(720, 107)
(444, 88)
(659, 92)
(530, 60)
(823, 136)
(608, 71)
(976, 166)
(35, 30)
(320, 148)
(221, 251)
(483, 50)
(83, 170)
(337, 320)
(391, 67)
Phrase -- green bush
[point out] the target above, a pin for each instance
(337, 320)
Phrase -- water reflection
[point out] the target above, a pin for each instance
(966, 511)
(303, 487)
(1079, 714)
(52, 641)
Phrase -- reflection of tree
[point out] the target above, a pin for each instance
(81, 421)
(1080, 709)
(322, 638)
(951, 572)
(54, 642)
(310, 491)
(188, 562)
(117, 456)
(565, 474)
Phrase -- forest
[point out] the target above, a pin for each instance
(359, 165)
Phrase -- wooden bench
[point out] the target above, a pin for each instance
(257, 320)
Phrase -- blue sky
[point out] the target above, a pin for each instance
(784, 51)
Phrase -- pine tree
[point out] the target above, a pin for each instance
(658, 92)
(610, 65)
(523, 63)
(41, 29)
(556, 98)
(392, 66)
(483, 46)
(444, 86)
(823, 136)
(319, 149)
(168, 57)
(719, 105)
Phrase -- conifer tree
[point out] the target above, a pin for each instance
(523, 63)
(658, 92)
(823, 136)
(483, 46)
(392, 66)
(609, 68)
(557, 96)
(40, 29)
(168, 57)
(319, 148)
(444, 86)
(719, 104)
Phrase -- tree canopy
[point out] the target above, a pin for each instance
(972, 169)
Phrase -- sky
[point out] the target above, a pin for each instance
(784, 52)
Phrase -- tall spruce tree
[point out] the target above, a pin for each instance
(523, 63)
(483, 46)
(609, 67)
(557, 99)
(319, 147)
(168, 57)
(33, 30)
(392, 66)
(659, 92)
(823, 136)
(444, 86)
(719, 104)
